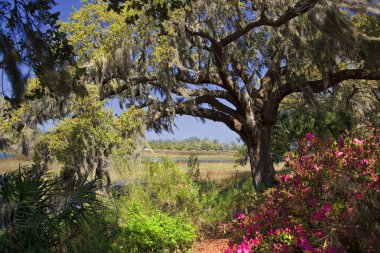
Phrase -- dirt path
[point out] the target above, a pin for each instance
(210, 246)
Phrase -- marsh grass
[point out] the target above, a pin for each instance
(121, 167)
(12, 163)
(15, 162)
(212, 170)
(181, 154)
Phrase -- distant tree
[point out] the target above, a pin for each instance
(227, 61)
(192, 143)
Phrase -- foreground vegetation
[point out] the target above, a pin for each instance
(326, 200)
(328, 203)
(157, 207)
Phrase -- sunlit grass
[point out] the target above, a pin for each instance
(12, 163)
(15, 162)
(180, 154)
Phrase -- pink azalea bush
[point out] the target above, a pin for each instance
(328, 203)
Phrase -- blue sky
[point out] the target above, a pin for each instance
(187, 126)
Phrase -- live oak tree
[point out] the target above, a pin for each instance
(226, 61)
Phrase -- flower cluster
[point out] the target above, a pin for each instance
(327, 203)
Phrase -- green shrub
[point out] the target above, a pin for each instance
(101, 234)
(157, 209)
(193, 170)
(222, 201)
(155, 232)
(38, 217)
(163, 187)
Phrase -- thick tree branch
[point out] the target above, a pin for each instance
(213, 115)
(185, 92)
(300, 8)
(318, 86)
(194, 104)
(200, 33)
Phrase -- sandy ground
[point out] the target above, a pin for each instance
(210, 246)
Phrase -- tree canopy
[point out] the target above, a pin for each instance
(30, 41)
(227, 61)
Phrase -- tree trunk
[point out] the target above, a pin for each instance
(25, 148)
(258, 146)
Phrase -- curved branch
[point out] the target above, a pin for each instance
(191, 105)
(213, 115)
(200, 33)
(300, 8)
(318, 86)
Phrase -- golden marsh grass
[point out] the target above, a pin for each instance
(217, 171)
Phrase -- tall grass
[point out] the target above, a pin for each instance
(12, 163)
(15, 162)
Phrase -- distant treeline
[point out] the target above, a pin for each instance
(193, 143)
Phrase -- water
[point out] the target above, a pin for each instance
(4, 156)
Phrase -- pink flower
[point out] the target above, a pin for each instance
(341, 142)
(285, 248)
(319, 215)
(358, 196)
(317, 168)
(319, 234)
(364, 162)
(309, 136)
(339, 154)
(285, 178)
(255, 241)
(287, 158)
(358, 142)
(312, 202)
(240, 216)
(327, 207)
(243, 248)
(304, 243)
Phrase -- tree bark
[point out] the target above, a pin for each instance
(259, 153)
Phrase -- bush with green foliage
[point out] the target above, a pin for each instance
(193, 170)
(153, 232)
(158, 209)
(38, 216)
(293, 124)
(164, 187)
(102, 233)
(222, 201)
